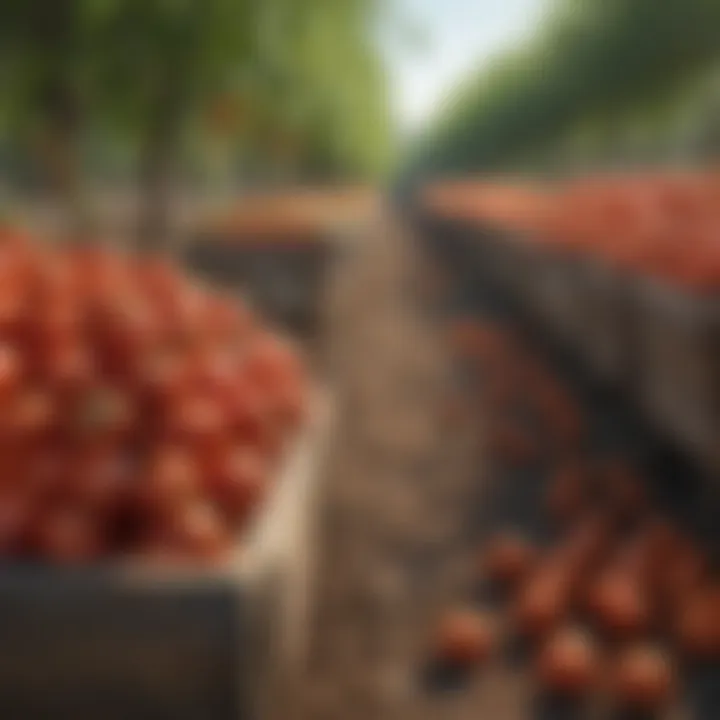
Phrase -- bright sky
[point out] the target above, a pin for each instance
(461, 34)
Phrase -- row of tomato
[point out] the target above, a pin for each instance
(662, 224)
(140, 412)
(294, 216)
(610, 594)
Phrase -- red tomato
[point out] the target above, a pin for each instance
(101, 273)
(69, 536)
(46, 471)
(620, 604)
(625, 490)
(15, 514)
(508, 559)
(291, 402)
(227, 320)
(569, 662)
(252, 417)
(69, 366)
(697, 626)
(269, 360)
(465, 637)
(32, 413)
(183, 318)
(585, 545)
(681, 575)
(214, 372)
(643, 678)
(544, 600)
(100, 477)
(164, 375)
(237, 480)
(10, 370)
(126, 332)
(173, 479)
(13, 310)
(567, 494)
(57, 322)
(247, 406)
(160, 280)
(198, 532)
(104, 412)
(196, 419)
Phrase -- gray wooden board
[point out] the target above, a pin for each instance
(285, 280)
(679, 340)
(608, 338)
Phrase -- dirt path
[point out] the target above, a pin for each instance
(396, 480)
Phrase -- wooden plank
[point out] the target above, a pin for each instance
(285, 282)
(680, 383)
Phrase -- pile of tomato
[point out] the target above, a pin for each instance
(611, 593)
(664, 225)
(140, 413)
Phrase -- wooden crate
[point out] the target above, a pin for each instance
(482, 258)
(135, 642)
(555, 295)
(508, 255)
(285, 279)
(608, 339)
(679, 387)
(471, 249)
(542, 287)
(527, 286)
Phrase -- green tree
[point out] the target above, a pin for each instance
(591, 63)
(47, 75)
(287, 85)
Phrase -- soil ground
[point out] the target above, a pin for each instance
(396, 481)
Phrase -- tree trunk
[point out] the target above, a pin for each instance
(157, 187)
(60, 104)
(61, 158)
(160, 159)
(159, 165)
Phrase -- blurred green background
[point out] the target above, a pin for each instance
(142, 93)
(597, 84)
(221, 95)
